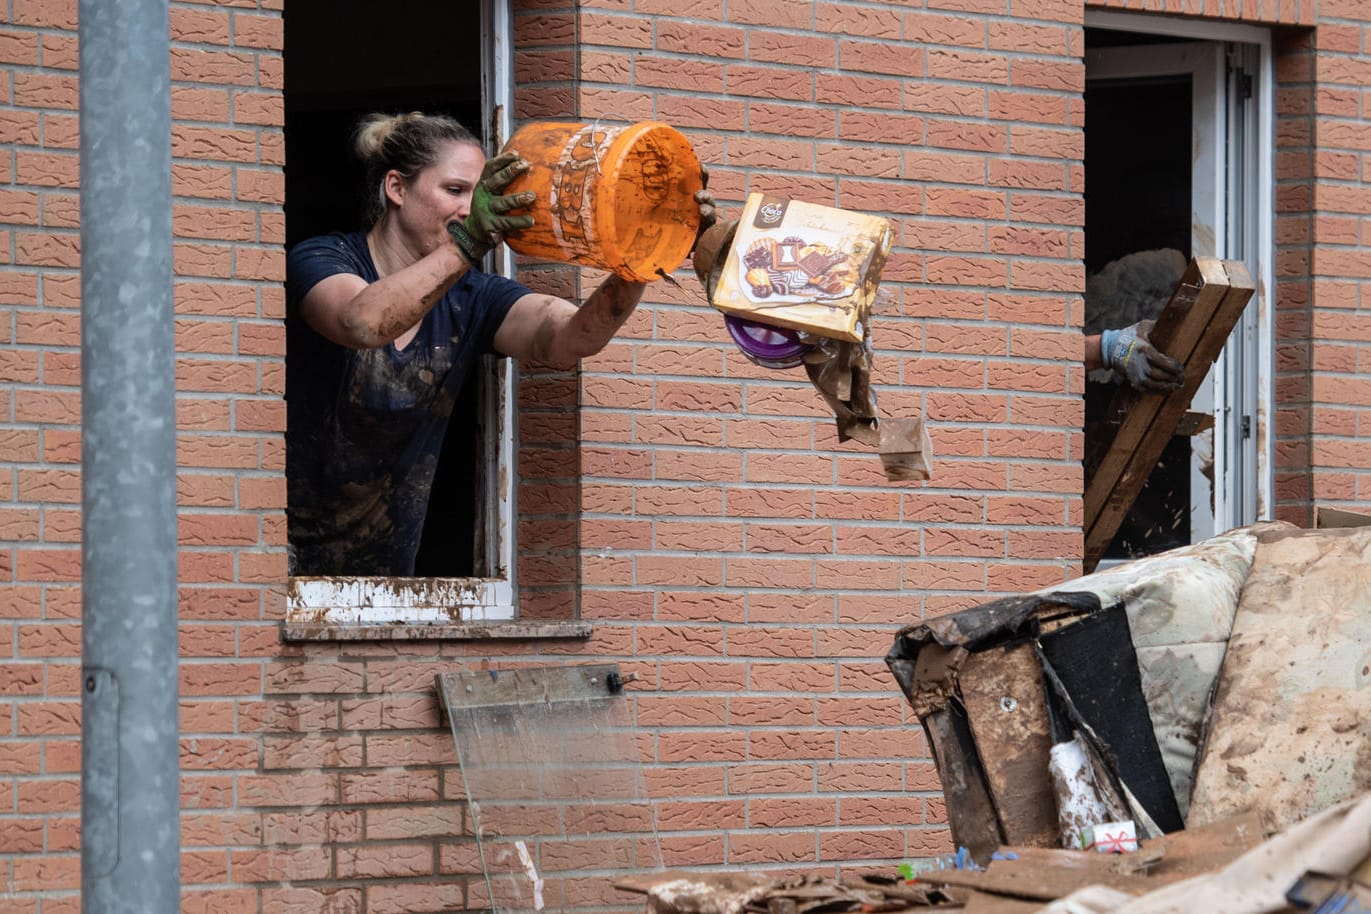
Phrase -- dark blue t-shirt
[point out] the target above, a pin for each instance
(365, 426)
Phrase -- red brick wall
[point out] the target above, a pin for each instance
(1295, 285)
(1330, 71)
(696, 509)
(549, 465)
(228, 151)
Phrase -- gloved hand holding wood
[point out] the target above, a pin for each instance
(1129, 353)
(486, 224)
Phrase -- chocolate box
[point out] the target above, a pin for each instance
(804, 266)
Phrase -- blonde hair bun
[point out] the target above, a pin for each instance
(407, 143)
(375, 129)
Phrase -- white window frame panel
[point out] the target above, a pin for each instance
(318, 604)
(1256, 241)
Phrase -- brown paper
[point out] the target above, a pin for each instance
(841, 372)
(906, 452)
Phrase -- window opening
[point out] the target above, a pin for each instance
(345, 59)
(1137, 206)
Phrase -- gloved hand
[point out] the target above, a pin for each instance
(485, 225)
(709, 214)
(1128, 352)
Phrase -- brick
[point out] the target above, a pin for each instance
(312, 900)
(199, 103)
(41, 90)
(211, 67)
(263, 32)
(694, 37)
(386, 861)
(266, 109)
(211, 143)
(197, 26)
(47, 249)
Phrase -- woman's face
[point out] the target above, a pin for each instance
(437, 195)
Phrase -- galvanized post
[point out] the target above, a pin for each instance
(130, 799)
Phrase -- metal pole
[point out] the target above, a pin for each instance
(130, 797)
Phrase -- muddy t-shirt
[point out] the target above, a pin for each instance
(365, 426)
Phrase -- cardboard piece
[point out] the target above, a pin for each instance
(906, 451)
(1036, 882)
(804, 266)
(1327, 517)
(1202, 848)
(841, 372)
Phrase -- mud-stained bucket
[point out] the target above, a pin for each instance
(620, 198)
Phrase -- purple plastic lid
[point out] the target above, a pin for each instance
(770, 347)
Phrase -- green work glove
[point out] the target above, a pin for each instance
(486, 224)
(1129, 353)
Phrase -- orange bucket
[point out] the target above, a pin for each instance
(620, 198)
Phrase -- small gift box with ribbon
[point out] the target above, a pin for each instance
(1110, 837)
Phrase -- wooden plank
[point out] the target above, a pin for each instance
(1131, 411)
(1193, 329)
(1043, 884)
(1002, 691)
(1204, 848)
(1193, 423)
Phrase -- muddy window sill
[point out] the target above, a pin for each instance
(411, 609)
(433, 631)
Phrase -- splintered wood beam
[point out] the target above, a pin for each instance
(1192, 328)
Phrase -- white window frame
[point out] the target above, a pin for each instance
(318, 605)
(1258, 198)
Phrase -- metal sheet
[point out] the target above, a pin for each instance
(1005, 702)
(130, 768)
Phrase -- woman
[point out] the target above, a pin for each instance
(386, 326)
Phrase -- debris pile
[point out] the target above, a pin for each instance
(1189, 732)
(679, 892)
(1192, 685)
(1321, 865)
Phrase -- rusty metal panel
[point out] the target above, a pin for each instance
(1007, 707)
(1290, 730)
